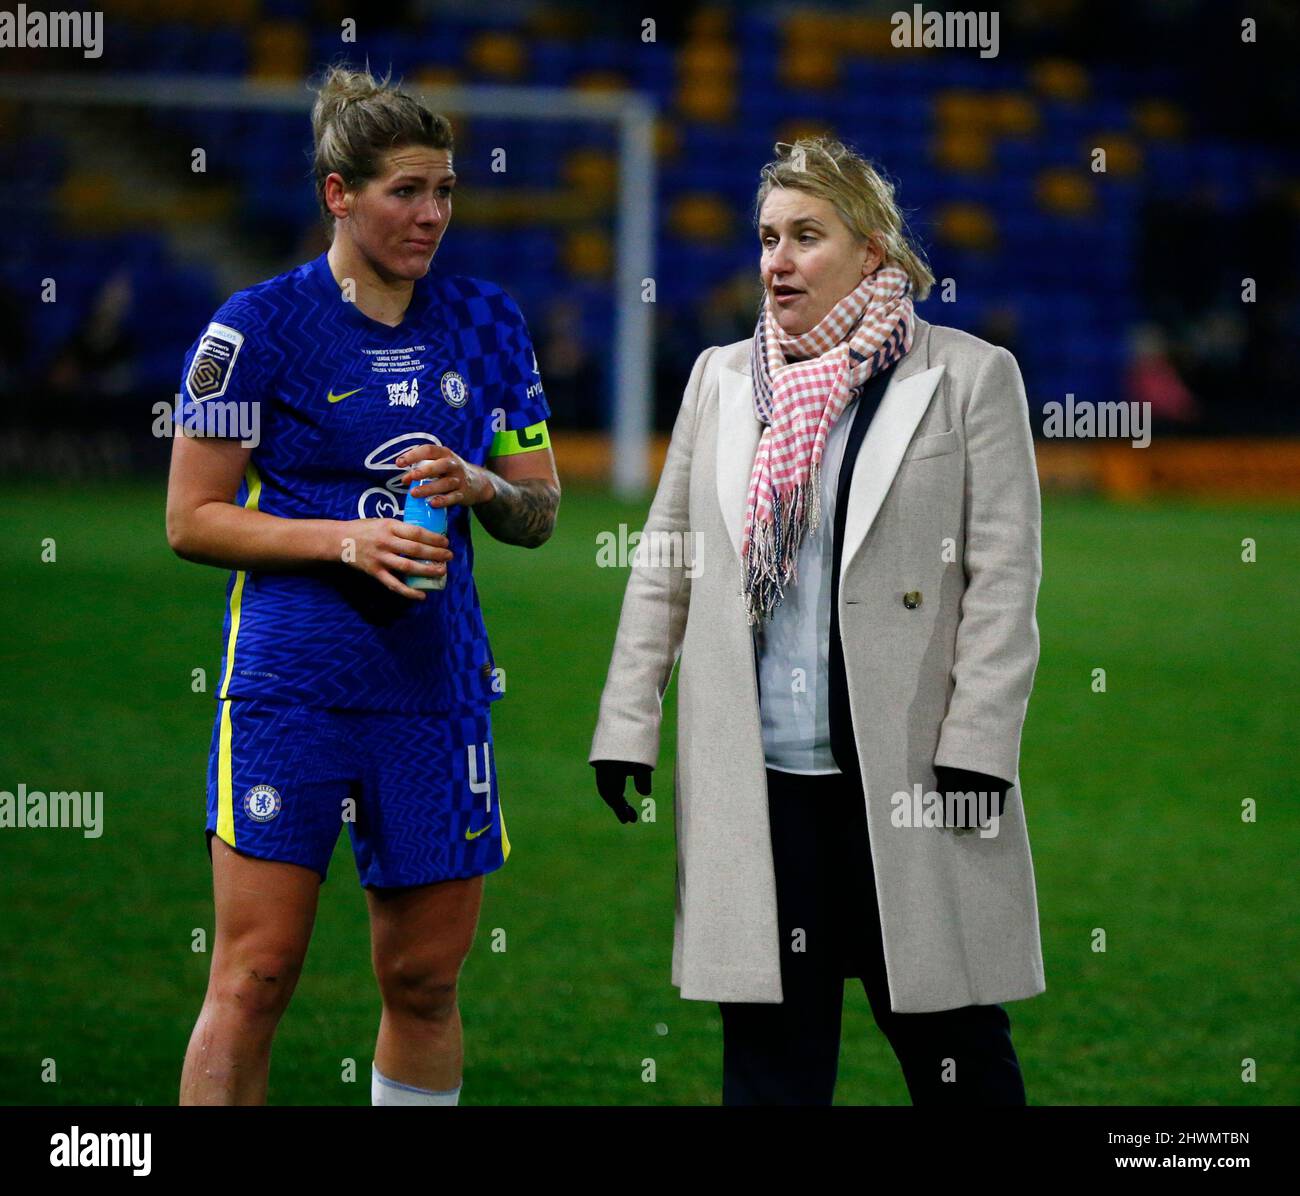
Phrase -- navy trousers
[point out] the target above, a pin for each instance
(788, 1053)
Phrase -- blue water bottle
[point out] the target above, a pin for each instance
(419, 512)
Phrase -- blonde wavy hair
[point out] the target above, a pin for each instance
(357, 119)
(861, 195)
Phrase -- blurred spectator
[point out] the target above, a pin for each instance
(1151, 378)
(99, 361)
(1237, 354)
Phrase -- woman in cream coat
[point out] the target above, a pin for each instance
(807, 854)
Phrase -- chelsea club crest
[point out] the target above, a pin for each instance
(454, 389)
(261, 803)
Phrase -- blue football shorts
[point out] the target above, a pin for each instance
(417, 792)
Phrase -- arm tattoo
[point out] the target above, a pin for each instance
(521, 512)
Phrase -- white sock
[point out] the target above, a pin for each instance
(384, 1091)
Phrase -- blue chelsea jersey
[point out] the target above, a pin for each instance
(331, 398)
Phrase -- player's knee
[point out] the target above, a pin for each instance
(416, 987)
(257, 985)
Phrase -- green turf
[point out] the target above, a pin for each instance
(1133, 799)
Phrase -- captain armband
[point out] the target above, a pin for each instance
(522, 440)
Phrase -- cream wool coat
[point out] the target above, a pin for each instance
(948, 458)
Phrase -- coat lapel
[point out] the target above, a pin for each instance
(738, 435)
(901, 406)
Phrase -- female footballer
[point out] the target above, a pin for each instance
(348, 697)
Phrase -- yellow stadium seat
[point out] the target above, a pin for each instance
(600, 81)
(1123, 157)
(863, 35)
(1014, 114)
(707, 57)
(590, 171)
(498, 55)
(794, 130)
(278, 50)
(1159, 120)
(668, 138)
(1060, 79)
(960, 110)
(701, 217)
(1065, 191)
(213, 205)
(814, 67)
(706, 89)
(706, 99)
(99, 203)
(967, 225)
(436, 76)
(90, 202)
(713, 23)
(554, 23)
(808, 27)
(968, 151)
(588, 253)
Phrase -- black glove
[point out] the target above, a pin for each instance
(611, 777)
(962, 780)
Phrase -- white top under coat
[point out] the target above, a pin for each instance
(793, 648)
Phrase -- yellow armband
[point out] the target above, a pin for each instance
(522, 440)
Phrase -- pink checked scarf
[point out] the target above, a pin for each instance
(865, 332)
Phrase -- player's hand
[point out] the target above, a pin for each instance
(380, 547)
(612, 775)
(438, 474)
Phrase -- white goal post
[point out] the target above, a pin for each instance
(632, 114)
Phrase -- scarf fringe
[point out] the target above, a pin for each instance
(795, 513)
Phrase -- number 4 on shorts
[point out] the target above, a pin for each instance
(480, 782)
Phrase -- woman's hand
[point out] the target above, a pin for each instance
(444, 478)
(612, 775)
(380, 547)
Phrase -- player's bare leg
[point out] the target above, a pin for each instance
(420, 937)
(265, 912)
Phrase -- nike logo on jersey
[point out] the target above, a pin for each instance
(333, 398)
(475, 834)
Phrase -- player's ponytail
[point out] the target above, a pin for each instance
(358, 118)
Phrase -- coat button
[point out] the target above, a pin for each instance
(912, 599)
